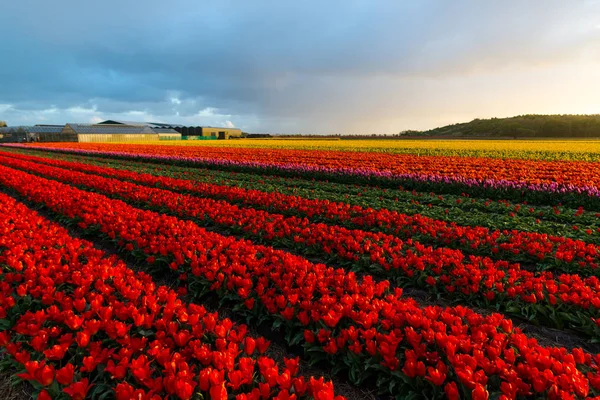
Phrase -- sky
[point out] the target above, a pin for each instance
(325, 67)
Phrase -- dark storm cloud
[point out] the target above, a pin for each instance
(303, 66)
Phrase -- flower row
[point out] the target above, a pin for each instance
(354, 323)
(480, 280)
(556, 220)
(496, 174)
(72, 315)
(559, 220)
(543, 250)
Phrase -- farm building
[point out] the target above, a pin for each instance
(86, 133)
(36, 133)
(115, 133)
(167, 134)
(187, 132)
(49, 133)
(220, 133)
(13, 133)
(208, 132)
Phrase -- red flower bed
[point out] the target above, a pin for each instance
(544, 250)
(429, 350)
(479, 280)
(78, 322)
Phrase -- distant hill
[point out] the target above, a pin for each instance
(522, 126)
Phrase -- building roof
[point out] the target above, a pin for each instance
(165, 130)
(161, 125)
(46, 129)
(115, 122)
(136, 123)
(110, 129)
(8, 129)
(32, 129)
(222, 127)
(158, 124)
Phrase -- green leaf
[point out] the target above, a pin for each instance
(392, 385)
(297, 338)
(5, 324)
(315, 359)
(354, 376)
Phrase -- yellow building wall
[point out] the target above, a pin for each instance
(228, 132)
(104, 137)
(169, 136)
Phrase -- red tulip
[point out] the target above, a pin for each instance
(249, 346)
(44, 395)
(451, 391)
(64, 376)
(218, 392)
(78, 390)
(479, 393)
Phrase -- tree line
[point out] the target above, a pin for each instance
(531, 125)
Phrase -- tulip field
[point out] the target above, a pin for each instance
(401, 274)
(536, 149)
